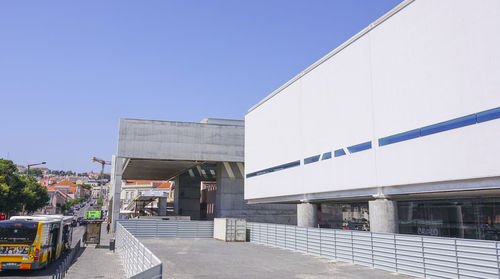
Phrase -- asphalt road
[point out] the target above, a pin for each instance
(51, 269)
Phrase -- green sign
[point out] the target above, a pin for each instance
(93, 214)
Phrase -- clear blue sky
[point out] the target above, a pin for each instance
(70, 69)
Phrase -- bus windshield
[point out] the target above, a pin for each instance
(18, 232)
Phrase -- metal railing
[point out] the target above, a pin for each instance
(139, 262)
(420, 256)
(62, 269)
(169, 228)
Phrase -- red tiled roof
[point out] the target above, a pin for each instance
(65, 183)
(165, 185)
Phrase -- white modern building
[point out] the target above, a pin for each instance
(397, 129)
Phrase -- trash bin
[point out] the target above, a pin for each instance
(112, 244)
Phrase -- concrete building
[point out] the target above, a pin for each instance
(395, 130)
(189, 154)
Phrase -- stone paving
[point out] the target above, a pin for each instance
(97, 262)
(208, 258)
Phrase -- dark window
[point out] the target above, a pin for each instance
(339, 152)
(18, 232)
(461, 218)
(448, 125)
(488, 115)
(399, 137)
(360, 147)
(276, 168)
(326, 156)
(311, 159)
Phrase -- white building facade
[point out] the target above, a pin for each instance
(402, 121)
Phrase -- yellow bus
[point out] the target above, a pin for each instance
(32, 242)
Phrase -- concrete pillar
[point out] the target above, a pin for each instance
(116, 189)
(230, 199)
(162, 206)
(307, 215)
(383, 216)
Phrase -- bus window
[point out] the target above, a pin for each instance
(18, 232)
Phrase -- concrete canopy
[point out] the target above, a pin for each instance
(147, 169)
(161, 150)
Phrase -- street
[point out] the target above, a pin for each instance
(51, 269)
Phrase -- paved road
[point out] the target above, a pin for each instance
(51, 269)
(208, 258)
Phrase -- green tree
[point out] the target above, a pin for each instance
(17, 192)
(34, 172)
(11, 187)
(35, 196)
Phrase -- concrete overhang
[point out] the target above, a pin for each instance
(161, 150)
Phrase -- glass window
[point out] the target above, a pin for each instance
(360, 147)
(463, 218)
(448, 125)
(311, 159)
(339, 152)
(326, 156)
(488, 115)
(345, 216)
(399, 137)
(273, 169)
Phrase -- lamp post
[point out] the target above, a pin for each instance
(28, 174)
(30, 165)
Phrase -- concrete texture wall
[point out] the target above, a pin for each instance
(230, 201)
(383, 216)
(150, 139)
(115, 191)
(307, 215)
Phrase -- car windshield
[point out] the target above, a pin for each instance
(18, 232)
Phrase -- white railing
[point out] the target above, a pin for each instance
(420, 256)
(144, 228)
(139, 262)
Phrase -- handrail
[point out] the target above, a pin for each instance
(62, 269)
(139, 262)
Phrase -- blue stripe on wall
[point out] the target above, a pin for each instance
(360, 147)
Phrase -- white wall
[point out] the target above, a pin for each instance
(431, 62)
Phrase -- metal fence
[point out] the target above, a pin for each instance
(420, 256)
(62, 269)
(170, 228)
(139, 262)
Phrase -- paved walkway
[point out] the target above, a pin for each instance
(208, 258)
(97, 262)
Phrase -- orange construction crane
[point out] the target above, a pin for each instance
(103, 163)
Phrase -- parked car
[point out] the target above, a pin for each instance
(81, 221)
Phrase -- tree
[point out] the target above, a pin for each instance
(34, 172)
(35, 196)
(17, 191)
(11, 187)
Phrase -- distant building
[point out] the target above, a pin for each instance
(69, 188)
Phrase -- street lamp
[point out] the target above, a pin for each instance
(28, 174)
(30, 165)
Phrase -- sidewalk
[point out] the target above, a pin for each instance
(97, 262)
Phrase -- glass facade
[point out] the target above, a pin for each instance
(461, 218)
(345, 216)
